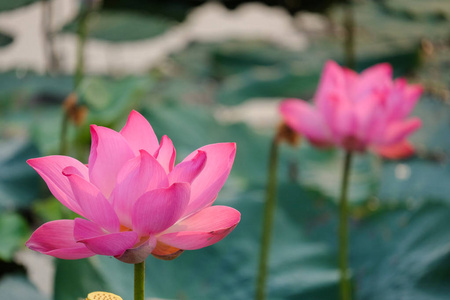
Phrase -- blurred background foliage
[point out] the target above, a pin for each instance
(211, 92)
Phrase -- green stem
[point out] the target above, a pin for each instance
(269, 212)
(349, 42)
(343, 230)
(63, 137)
(139, 281)
(49, 47)
(82, 31)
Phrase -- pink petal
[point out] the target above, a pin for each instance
(139, 134)
(204, 188)
(333, 78)
(373, 80)
(159, 209)
(139, 175)
(56, 238)
(166, 154)
(188, 170)
(400, 150)
(402, 99)
(413, 93)
(304, 119)
(50, 168)
(378, 71)
(100, 242)
(109, 152)
(202, 229)
(93, 204)
(398, 131)
(366, 112)
(345, 122)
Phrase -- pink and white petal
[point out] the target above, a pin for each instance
(188, 169)
(398, 131)
(202, 229)
(157, 210)
(50, 168)
(139, 134)
(101, 242)
(401, 150)
(305, 119)
(166, 154)
(56, 238)
(139, 175)
(109, 152)
(93, 204)
(204, 188)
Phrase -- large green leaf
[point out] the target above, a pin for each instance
(403, 254)
(376, 24)
(431, 10)
(322, 170)
(13, 230)
(19, 183)
(432, 137)
(17, 287)
(9, 5)
(27, 82)
(115, 26)
(414, 181)
(75, 279)
(5, 39)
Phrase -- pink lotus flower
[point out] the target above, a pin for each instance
(357, 112)
(134, 201)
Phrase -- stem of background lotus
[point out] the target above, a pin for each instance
(349, 40)
(82, 31)
(269, 212)
(343, 230)
(79, 72)
(139, 281)
(51, 57)
(63, 137)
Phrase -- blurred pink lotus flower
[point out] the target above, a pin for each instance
(134, 201)
(357, 112)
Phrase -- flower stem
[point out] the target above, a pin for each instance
(349, 42)
(343, 230)
(82, 32)
(269, 211)
(139, 281)
(51, 57)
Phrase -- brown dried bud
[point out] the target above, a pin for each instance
(76, 113)
(286, 134)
